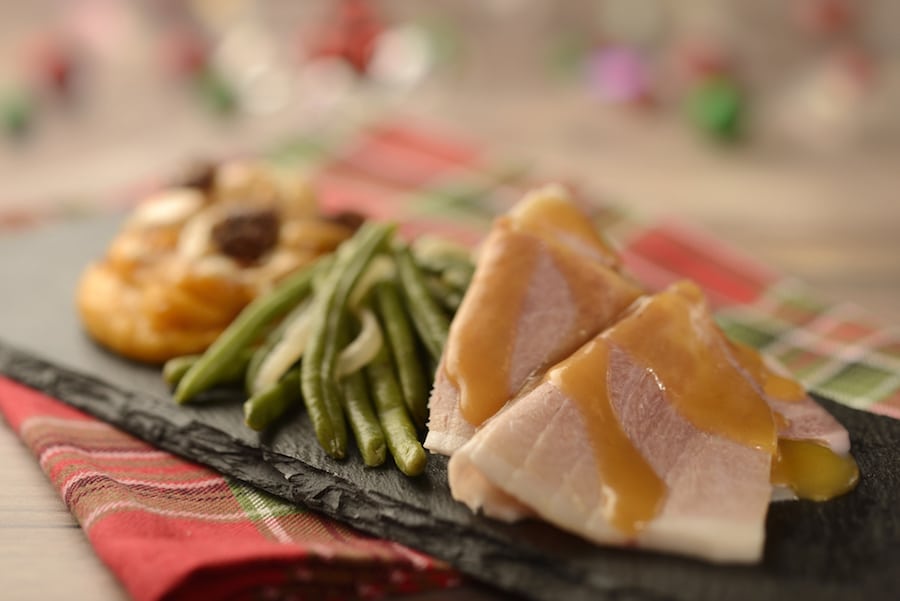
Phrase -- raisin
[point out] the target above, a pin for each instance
(349, 219)
(199, 175)
(247, 234)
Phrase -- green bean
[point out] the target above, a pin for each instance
(176, 368)
(449, 283)
(241, 333)
(321, 275)
(318, 368)
(263, 408)
(430, 321)
(399, 430)
(438, 260)
(357, 406)
(446, 297)
(362, 418)
(401, 341)
(458, 277)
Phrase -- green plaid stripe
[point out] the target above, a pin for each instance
(265, 511)
(832, 348)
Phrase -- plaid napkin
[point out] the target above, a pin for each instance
(171, 529)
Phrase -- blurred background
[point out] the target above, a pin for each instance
(774, 124)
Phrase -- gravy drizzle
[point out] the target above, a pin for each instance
(633, 493)
(772, 383)
(478, 355)
(813, 471)
(479, 349)
(691, 363)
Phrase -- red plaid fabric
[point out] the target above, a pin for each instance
(171, 529)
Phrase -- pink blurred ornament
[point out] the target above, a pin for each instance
(107, 28)
(620, 75)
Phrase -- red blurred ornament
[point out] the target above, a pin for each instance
(351, 36)
(826, 16)
(857, 66)
(184, 52)
(50, 63)
(698, 60)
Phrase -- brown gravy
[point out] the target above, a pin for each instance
(772, 384)
(668, 335)
(478, 355)
(479, 350)
(633, 492)
(813, 471)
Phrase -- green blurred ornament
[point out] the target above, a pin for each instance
(216, 92)
(17, 110)
(568, 54)
(716, 106)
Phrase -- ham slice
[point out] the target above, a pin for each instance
(539, 277)
(538, 451)
(629, 420)
(706, 468)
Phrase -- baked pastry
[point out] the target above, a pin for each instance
(193, 254)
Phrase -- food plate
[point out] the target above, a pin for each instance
(847, 547)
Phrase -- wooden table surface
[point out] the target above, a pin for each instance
(832, 219)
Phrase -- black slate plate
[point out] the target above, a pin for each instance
(845, 548)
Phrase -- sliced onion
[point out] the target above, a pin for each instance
(288, 350)
(436, 254)
(381, 268)
(364, 347)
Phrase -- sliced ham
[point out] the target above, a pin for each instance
(706, 484)
(626, 419)
(447, 428)
(479, 493)
(538, 451)
(536, 280)
(658, 433)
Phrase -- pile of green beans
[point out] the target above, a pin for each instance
(384, 402)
